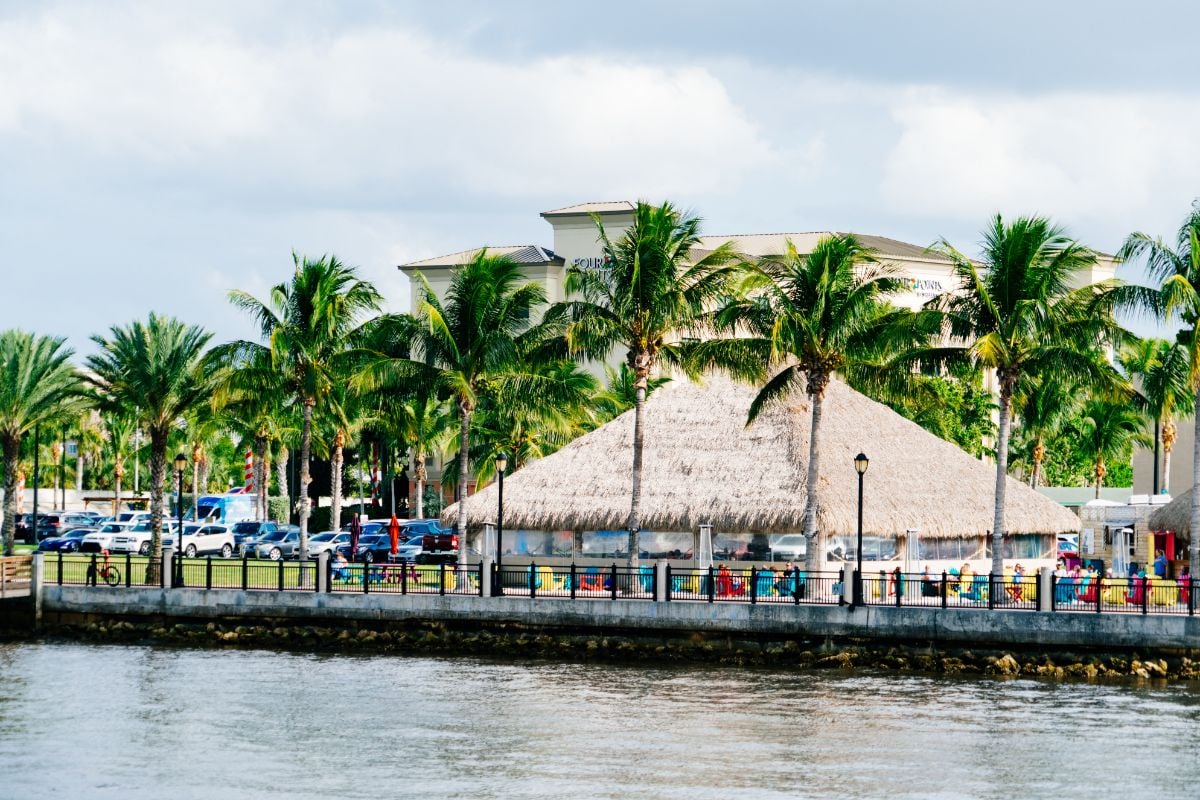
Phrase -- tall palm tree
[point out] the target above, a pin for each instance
(1108, 431)
(119, 431)
(470, 344)
(619, 394)
(1161, 368)
(654, 288)
(155, 371)
(37, 384)
(1177, 267)
(1016, 313)
(807, 318)
(308, 323)
(424, 423)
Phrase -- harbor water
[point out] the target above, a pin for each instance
(106, 721)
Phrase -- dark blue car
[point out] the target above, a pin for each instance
(67, 543)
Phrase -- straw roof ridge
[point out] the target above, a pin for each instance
(703, 465)
(1175, 516)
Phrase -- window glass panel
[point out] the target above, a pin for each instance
(605, 544)
(538, 543)
(665, 544)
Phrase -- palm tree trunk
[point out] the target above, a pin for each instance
(305, 475)
(195, 487)
(12, 452)
(281, 478)
(158, 474)
(1007, 382)
(260, 444)
(118, 473)
(421, 475)
(205, 468)
(335, 482)
(815, 548)
(634, 523)
(79, 459)
(460, 489)
(1167, 433)
(1099, 472)
(1194, 526)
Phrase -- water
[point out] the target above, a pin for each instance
(83, 721)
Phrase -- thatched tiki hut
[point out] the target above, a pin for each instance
(926, 501)
(1169, 529)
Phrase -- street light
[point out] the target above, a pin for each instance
(860, 466)
(501, 465)
(180, 463)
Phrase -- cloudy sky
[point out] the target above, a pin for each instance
(154, 156)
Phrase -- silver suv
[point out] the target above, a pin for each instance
(283, 543)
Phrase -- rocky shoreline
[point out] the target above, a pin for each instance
(523, 642)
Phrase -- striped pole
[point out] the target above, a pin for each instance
(249, 472)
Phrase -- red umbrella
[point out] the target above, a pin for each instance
(394, 532)
(355, 530)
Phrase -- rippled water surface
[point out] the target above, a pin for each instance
(82, 721)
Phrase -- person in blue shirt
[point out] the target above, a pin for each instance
(1160, 564)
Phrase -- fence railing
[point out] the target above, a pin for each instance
(15, 575)
(1082, 594)
(405, 577)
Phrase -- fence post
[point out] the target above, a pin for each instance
(614, 581)
(60, 565)
(659, 582)
(91, 573)
(442, 577)
(1146, 584)
(991, 591)
(479, 579)
(667, 587)
(841, 581)
(1054, 591)
(532, 580)
(753, 586)
(404, 576)
(128, 569)
(366, 578)
(167, 567)
(712, 588)
(245, 572)
(1191, 595)
(280, 573)
(945, 588)
(208, 573)
(899, 589)
(572, 580)
(324, 573)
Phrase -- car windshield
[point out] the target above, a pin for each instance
(141, 527)
(246, 527)
(321, 537)
(275, 536)
(78, 533)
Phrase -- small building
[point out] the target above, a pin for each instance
(710, 480)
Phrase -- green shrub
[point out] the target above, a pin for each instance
(279, 509)
(433, 502)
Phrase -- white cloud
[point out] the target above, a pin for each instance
(1101, 158)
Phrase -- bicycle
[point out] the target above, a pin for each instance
(106, 572)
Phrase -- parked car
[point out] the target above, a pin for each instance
(134, 539)
(69, 542)
(412, 549)
(101, 538)
(25, 528)
(246, 534)
(56, 523)
(439, 546)
(790, 547)
(326, 542)
(199, 540)
(283, 543)
(134, 517)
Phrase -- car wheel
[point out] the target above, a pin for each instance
(144, 550)
(190, 552)
(226, 551)
(276, 554)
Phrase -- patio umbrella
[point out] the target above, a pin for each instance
(355, 530)
(394, 532)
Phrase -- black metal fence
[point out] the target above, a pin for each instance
(405, 577)
(1083, 594)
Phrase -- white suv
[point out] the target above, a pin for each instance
(135, 539)
(102, 539)
(205, 539)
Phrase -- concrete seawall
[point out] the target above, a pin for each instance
(951, 626)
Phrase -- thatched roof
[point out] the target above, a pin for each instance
(1174, 516)
(703, 465)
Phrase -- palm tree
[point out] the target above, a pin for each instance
(654, 288)
(619, 393)
(37, 384)
(308, 323)
(424, 423)
(470, 344)
(1108, 431)
(120, 430)
(156, 371)
(344, 419)
(1161, 368)
(1043, 406)
(1016, 313)
(1177, 267)
(816, 315)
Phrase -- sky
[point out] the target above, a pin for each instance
(154, 156)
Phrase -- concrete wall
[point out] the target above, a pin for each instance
(971, 626)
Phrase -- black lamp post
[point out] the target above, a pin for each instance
(180, 463)
(860, 466)
(501, 465)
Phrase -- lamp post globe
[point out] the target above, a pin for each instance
(501, 466)
(861, 462)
